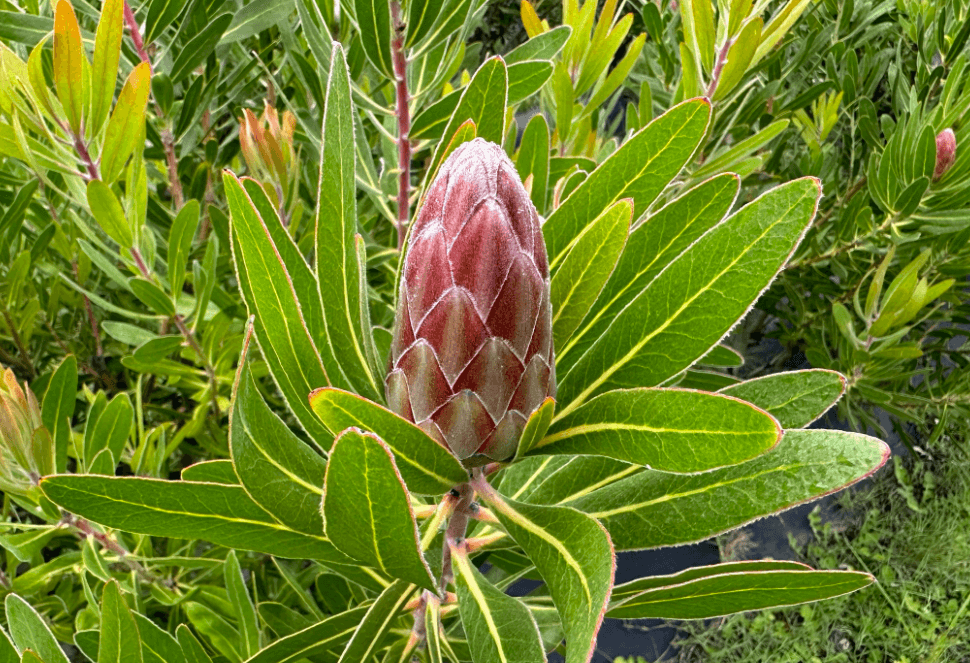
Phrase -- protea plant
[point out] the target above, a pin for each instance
(472, 354)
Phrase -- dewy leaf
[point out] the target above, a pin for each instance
(314, 640)
(367, 512)
(795, 398)
(652, 509)
(428, 468)
(374, 21)
(125, 127)
(58, 408)
(281, 473)
(499, 628)
(483, 101)
(29, 631)
(686, 310)
(725, 593)
(369, 635)
(583, 273)
(640, 169)
(281, 329)
(572, 553)
(104, 70)
(69, 61)
(674, 430)
(119, 641)
(242, 604)
(222, 514)
(107, 211)
(337, 269)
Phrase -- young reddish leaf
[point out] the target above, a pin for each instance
(69, 61)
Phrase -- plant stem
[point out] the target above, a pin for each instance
(174, 184)
(210, 370)
(455, 534)
(25, 356)
(84, 529)
(403, 124)
(719, 67)
(82, 151)
(99, 351)
(135, 33)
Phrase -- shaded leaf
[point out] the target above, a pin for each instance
(795, 398)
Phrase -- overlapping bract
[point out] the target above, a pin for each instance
(472, 354)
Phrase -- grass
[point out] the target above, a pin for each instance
(911, 529)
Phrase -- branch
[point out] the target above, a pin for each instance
(403, 124)
(135, 33)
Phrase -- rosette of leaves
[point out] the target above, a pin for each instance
(642, 289)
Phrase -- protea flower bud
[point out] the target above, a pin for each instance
(26, 449)
(267, 147)
(946, 152)
(472, 354)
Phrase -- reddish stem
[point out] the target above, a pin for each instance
(719, 67)
(82, 151)
(135, 33)
(403, 124)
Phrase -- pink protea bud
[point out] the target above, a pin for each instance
(946, 152)
(26, 449)
(472, 354)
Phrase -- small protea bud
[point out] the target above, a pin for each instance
(946, 152)
(266, 144)
(472, 354)
(26, 449)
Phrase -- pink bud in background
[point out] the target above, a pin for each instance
(472, 354)
(946, 152)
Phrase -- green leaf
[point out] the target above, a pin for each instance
(212, 471)
(336, 265)
(630, 589)
(242, 604)
(526, 78)
(374, 21)
(69, 62)
(279, 471)
(431, 122)
(104, 70)
(256, 17)
(653, 509)
(673, 430)
(269, 288)
(739, 57)
(224, 515)
(379, 618)
(533, 159)
(483, 101)
(367, 512)
(640, 170)
(191, 647)
(126, 124)
(421, 17)
(426, 466)
(107, 211)
(198, 49)
(152, 296)
(180, 239)
(572, 553)
(161, 14)
(499, 628)
(795, 398)
(24, 28)
(543, 46)
(119, 641)
(536, 427)
(8, 653)
(58, 408)
(686, 310)
(111, 429)
(157, 646)
(723, 356)
(585, 270)
(314, 640)
(726, 592)
(29, 631)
